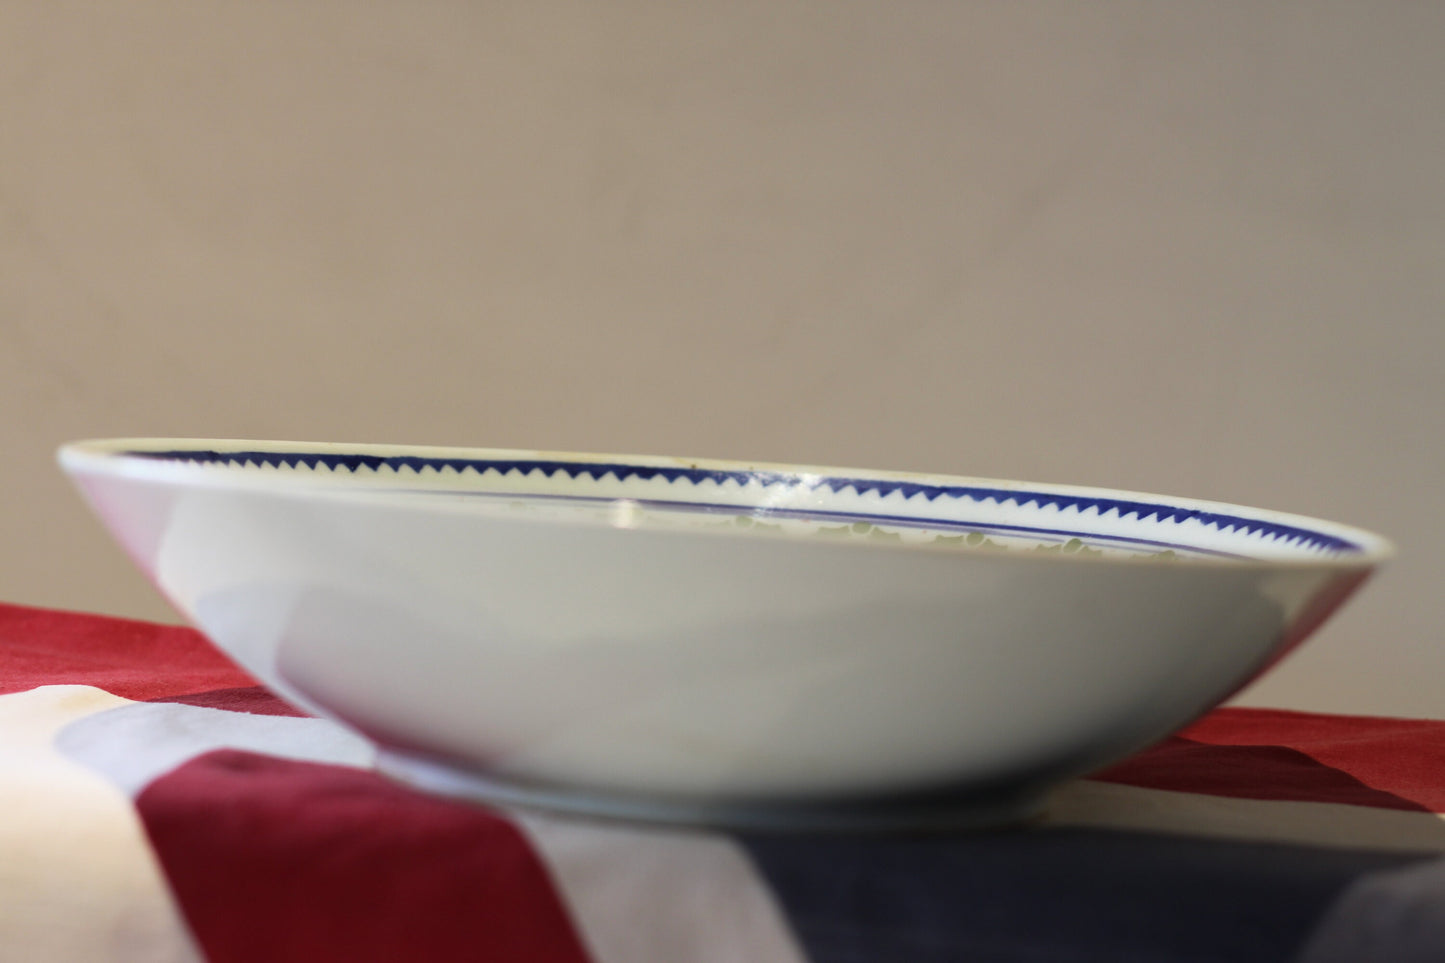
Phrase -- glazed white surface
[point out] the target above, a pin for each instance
(599, 655)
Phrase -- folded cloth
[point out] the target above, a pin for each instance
(159, 805)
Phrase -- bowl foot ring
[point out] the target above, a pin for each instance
(933, 812)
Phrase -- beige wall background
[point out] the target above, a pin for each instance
(1190, 247)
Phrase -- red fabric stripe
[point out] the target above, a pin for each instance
(253, 699)
(143, 661)
(294, 862)
(1247, 772)
(1275, 754)
(1404, 757)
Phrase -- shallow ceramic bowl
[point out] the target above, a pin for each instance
(710, 641)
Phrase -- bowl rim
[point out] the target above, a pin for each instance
(204, 462)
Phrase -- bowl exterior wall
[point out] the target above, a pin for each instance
(698, 666)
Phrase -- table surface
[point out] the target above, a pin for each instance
(160, 805)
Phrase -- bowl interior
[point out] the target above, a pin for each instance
(731, 498)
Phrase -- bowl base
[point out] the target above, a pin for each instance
(905, 813)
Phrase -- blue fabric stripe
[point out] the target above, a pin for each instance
(1061, 896)
(1397, 916)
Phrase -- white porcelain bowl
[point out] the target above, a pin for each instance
(713, 641)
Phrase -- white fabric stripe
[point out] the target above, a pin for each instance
(645, 895)
(78, 879)
(1103, 805)
(137, 742)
